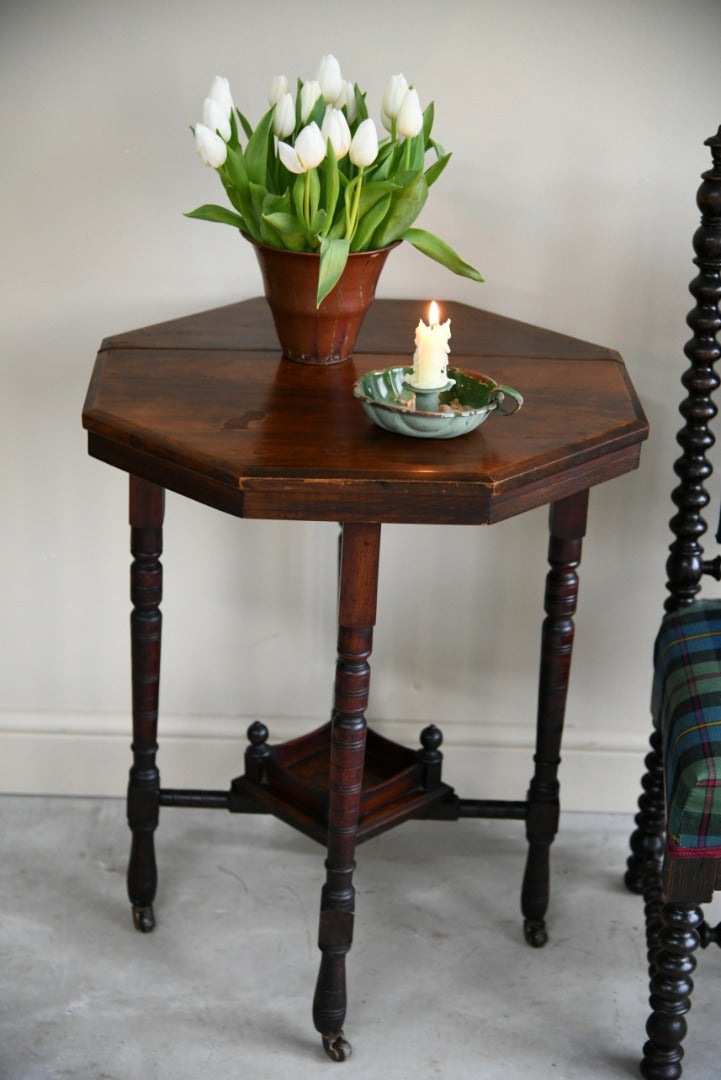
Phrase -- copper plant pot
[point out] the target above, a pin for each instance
(324, 335)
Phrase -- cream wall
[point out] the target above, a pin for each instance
(577, 132)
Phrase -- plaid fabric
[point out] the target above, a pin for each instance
(687, 703)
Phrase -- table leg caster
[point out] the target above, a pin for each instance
(143, 918)
(336, 1047)
(535, 932)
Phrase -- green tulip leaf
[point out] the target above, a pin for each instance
(333, 257)
(297, 195)
(417, 154)
(369, 223)
(438, 249)
(371, 193)
(331, 185)
(246, 126)
(259, 149)
(434, 171)
(428, 115)
(361, 109)
(234, 170)
(261, 231)
(210, 212)
(290, 232)
(406, 206)
(314, 192)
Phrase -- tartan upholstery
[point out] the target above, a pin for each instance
(687, 707)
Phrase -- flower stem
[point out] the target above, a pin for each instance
(306, 200)
(353, 223)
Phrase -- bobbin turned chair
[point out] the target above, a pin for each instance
(676, 848)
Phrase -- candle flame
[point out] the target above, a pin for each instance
(434, 315)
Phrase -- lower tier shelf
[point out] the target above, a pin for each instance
(398, 783)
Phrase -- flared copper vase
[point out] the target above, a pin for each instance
(324, 335)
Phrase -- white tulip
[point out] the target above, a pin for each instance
(309, 94)
(335, 127)
(284, 116)
(220, 92)
(396, 89)
(210, 147)
(309, 150)
(364, 147)
(346, 100)
(410, 115)
(278, 87)
(330, 78)
(215, 119)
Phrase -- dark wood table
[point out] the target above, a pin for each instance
(205, 406)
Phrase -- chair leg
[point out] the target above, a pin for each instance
(654, 900)
(357, 607)
(146, 584)
(671, 987)
(647, 840)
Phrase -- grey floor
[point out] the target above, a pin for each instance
(441, 983)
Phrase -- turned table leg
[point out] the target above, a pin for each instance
(146, 584)
(567, 526)
(356, 618)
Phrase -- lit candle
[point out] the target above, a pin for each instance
(430, 360)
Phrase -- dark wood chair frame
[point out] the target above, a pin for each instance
(674, 888)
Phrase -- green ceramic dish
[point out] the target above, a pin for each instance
(391, 403)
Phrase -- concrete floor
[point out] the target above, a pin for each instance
(441, 983)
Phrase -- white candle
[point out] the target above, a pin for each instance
(430, 360)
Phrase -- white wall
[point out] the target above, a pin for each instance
(577, 131)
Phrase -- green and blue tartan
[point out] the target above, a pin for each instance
(687, 705)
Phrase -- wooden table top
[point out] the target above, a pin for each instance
(204, 405)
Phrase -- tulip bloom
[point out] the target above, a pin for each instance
(220, 92)
(409, 120)
(309, 150)
(284, 116)
(364, 146)
(278, 87)
(393, 95)
(215, 118)
(210, 147)
(346, 100)
(309, 94)
(330, 78)
(335, 127)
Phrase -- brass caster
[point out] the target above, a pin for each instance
(144, 918)
(336, 1047)
(535, 932)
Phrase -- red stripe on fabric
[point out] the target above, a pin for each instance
(679, 852)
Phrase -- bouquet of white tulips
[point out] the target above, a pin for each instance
(314, 176)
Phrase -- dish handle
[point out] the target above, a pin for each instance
(507, 401)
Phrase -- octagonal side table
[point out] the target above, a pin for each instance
(204, 406)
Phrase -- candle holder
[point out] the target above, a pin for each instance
(461, 405)
(428, 397)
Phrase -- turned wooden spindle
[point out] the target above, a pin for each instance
(647, 839)
(686, 565)
(356, 619)
(567, 525)
(671, 988)
(146, 590)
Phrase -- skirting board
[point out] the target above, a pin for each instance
(59, 754)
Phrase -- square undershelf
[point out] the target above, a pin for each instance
(295, 784)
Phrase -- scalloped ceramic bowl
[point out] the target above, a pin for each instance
(390, 403)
